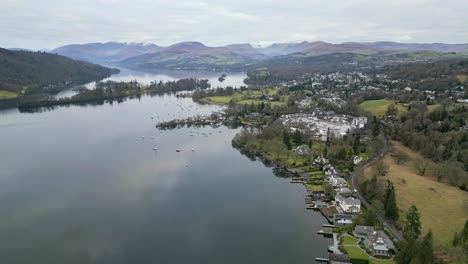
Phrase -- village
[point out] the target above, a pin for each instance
(340, 206)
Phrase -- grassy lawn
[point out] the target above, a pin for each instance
(7, 95)
(379, 107)
(381, 261)
(443, 208)
(356, 253)
(313, 187)
(347, 240)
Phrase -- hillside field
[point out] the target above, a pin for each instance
(443, 208)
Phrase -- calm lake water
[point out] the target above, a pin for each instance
(234, 79)
(80, 185)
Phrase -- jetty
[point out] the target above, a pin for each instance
(328, 212)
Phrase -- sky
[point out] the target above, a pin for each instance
(46, 24)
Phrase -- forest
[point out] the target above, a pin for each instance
(25, 72)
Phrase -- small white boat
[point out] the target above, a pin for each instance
(155, 148)
(193, 149)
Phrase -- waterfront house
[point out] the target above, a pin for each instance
(379, 244)
(338, 182)
(345, 192)
(363, 231)
(317, 195)
(348, 204)
(341, 220)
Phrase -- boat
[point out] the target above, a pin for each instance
(177, 150)
(155, 148)
(193, 149)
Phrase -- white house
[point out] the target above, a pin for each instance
(338, 182)
(348, 204)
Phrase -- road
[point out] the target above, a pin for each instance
(387, 224)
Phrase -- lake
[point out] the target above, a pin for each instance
(79, 184)
(234, 79)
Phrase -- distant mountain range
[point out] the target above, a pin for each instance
(195, 55)
(105, 52)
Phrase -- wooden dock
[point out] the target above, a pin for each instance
(325, 232)
(321, 259)
(329, 212)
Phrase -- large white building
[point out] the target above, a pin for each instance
(348, 204)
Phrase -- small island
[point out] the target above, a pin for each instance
(222, 77)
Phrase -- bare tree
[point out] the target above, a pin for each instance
(421, 166)
(381, 168)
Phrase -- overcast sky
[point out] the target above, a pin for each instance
(37, 24)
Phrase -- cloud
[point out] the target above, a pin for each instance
(51, 23)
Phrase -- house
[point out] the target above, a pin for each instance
(345, 192)
(379, 244)
(357, 160)
(338, 182)
(317, 195)
(363, 231)
(319, 204)
(335, 258)
(302, 150)
(340, 220)
(348, 204)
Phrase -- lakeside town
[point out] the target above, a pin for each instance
(316, 136)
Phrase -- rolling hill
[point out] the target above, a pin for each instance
(195, 55)
(105, 52)
(27, 72)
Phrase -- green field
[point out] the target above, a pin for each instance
(379, 107)
(443, 208)
(247, 97)
(7, 95)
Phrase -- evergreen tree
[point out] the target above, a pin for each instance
(390, 205)
(406, 252)
(412, 228)
(297, 137)
(425, 251)
(356, 144)
(286, 139)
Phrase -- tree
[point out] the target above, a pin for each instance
(286, 139)
(370, 217)
(424, 251)
(382, 168)
(412, 229)
(357, 144)
(400, 157)
(390, 205)
(392, 110)
(421, 166)
(297, 137)
(406, 252)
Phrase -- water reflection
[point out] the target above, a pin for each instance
(81, 185)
